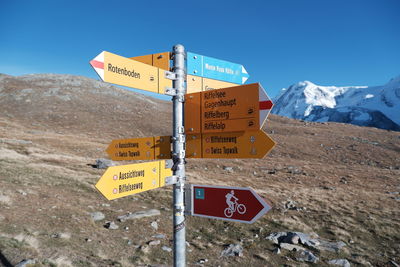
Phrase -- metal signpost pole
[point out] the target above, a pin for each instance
(178, 155)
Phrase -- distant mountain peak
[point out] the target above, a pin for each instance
(351, 104)
(305, 83)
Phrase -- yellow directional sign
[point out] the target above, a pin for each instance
(147, 148)
(126, 180)
(127, 72)
(252, 144)
(233, 109)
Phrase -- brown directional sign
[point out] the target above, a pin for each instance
(252, 144)
(147, 148)
(239, 108)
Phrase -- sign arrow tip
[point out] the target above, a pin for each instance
(265, 104)
(244, 71)
(245, 75)
(98, 64)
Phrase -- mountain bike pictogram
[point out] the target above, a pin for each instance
(233, 206)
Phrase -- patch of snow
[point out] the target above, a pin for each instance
(368, 96)
(308, 110)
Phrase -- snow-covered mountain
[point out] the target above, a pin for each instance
(375, 106)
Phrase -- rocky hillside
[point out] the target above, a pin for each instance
(74, 104)
(376, 106)
(334, 187)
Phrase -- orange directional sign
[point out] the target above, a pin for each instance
(126, 180)
(199, 84)
(239, 108)
(254, 144)
(127, 72)
(147, 148)
(159, 60)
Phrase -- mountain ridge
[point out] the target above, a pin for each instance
(373, 106)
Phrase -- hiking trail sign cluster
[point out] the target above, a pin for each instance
(216, 115)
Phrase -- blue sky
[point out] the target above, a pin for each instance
(342, 42)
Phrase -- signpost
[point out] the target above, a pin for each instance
(127, 72)
(237, 204)
(239, 108)
(126, 180)
(222, 120)
(147, 148)
(216, 69)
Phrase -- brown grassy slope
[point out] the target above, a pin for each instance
(51, 127)
(74, 105)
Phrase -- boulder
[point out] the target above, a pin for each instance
(330, 246)
(154, 242)
(111, 225)
(139, 214)
(154, 224)
(167, 249)
(291, 247)
(26, 263)
(97, 216)
(307, 256)
(232, 250)
(103, 163)
(276, 237)
(291, 238)
(229, 169)
(340, 262)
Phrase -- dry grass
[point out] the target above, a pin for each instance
(340, 174)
